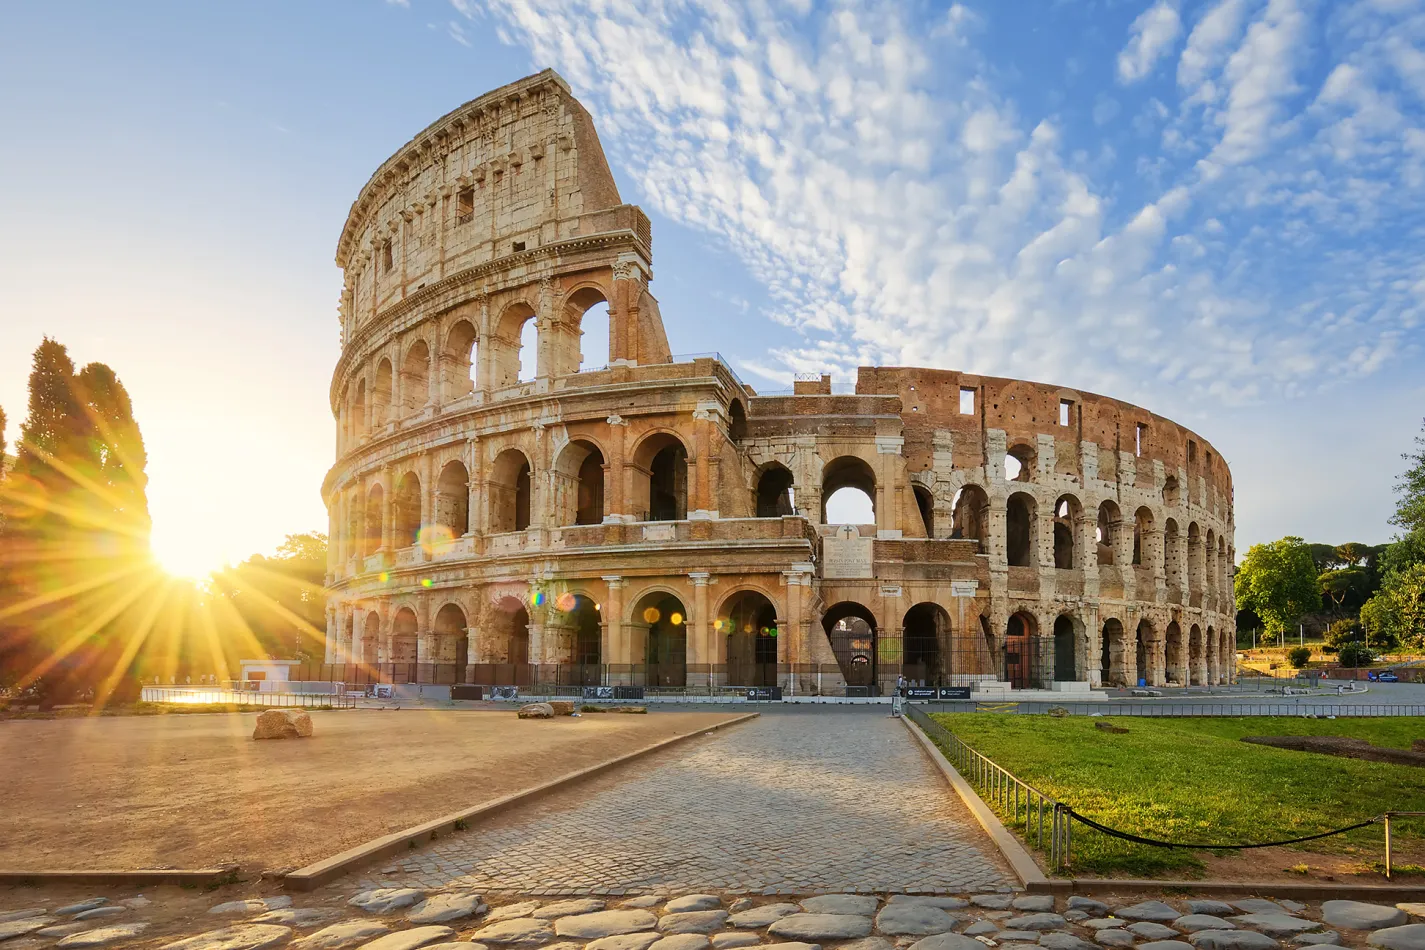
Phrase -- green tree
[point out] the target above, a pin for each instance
(1410, 509)
(1278, 582)
(1397, 612)
(1299, 656)
(278, 604)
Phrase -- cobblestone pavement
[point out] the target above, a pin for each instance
(798, 801)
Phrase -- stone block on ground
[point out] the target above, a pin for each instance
(1191, 923)
(679, 905)
(295, 916)
(511, 911)
(1232, 940)
(346, 933)
(1114, 938)
(793, 945)
(278, 724)
(1097, 908)
(808, 927)
(763, 916)
(1215, 908)
(519, 932)
(872, 942)
(63, 930)
(536, 711)
(240, 937)
(17, 928)
(1276, 925)
(81, 906)
(439, 908)
(1152, 930)
(645, 901)
(569, 908)
(383, 900)
(859, 904)
(992, 901)
(1258, 905)
(1358, 915)
(104, 936)
(604, 923)
(944, 903)
(732, 939)
(1413, 908)
(1036, 922)
(947, 942)
(411, 939)
(99, 913)
(561, 707)
(634, 941)
(980, 928)
(1058, 940)
(253, 905)
(1408, 937)
(1033, 902)
(692, 922)
(1329, 937)
(1166, 945)
(681, 941)
(1104, 923)
(1149, 910)
(12, 915)
(914, 919)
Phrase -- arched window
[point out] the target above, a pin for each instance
(451, 645)
(926, 658)
(415, 378)
(587, 309)
(1142, 529)
(509, 640)
(1066, 516)
(460, 366)
(1111, 663)
(358, 411)
(1172, 559)
(1019, 530)
(381, 396)
(452, 499)
(736, 421)
(1020, 647)
(851, 628)
(749, 622)
(774, 491)
(404, 641)
(529, 350)
(1110, 522)
(1170, 491)
(1196, 560)
(581, 479)
(1019, 463)
(925, 503)
(407, 520)
(510, 345)
(661, 478)
(375, 520)
(1066, 653)
(971, 516)
(1143, 655)
(1197, 658)
(665, 622)
(848, 492)
(510, 492)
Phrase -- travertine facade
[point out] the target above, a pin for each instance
(656, 521)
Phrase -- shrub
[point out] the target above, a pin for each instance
(1354, 654)
(1299, 656)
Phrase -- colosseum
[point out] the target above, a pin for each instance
(508, 509)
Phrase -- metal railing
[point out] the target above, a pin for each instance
(216, 696)
(1025, 805)
(1149, 708)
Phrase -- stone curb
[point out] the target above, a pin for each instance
(321, 872)
(205, 876)
(1020, 861)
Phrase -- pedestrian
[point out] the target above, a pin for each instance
(898, 696)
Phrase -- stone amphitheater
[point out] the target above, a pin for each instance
(508, 507)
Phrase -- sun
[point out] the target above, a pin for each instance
(185, 559)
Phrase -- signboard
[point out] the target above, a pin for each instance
(467, 691)
(921, 692)
(954, 692)
(505, 692)
(598, 692)
(964, 588)
(890, 591)
(765, 693)
(846, 555)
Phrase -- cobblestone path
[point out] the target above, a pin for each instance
(798, 801)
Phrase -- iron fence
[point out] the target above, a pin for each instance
(216, 695)
(1169, 709)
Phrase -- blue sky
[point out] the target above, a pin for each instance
(1210, 208)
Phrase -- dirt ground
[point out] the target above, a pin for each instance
(196, 791)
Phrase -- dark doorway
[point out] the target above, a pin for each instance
(1065, 662)
(749, 621)
(666, 656)
(927, 631)
(1019, 652)
(851, 628)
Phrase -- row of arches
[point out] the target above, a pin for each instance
(420, 376)
(1196, 657)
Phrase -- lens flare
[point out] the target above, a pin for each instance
(651, 615)
(675, 618)
(566, 602)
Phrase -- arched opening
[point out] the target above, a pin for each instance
(1066, 654)
(926, 657)
(851, 628)
(581, 483)
(661, 478)
(415, 378)
(848, 492)
(587, 309)
(1066, 516)
(1113, 655)
(1210, 568)
(1020, 646)
(451, 644)
(452, 501)
(1143, 655)
(1171, 494)
(1019, 530)
(510, 345)
(1217, 658)
(381, 396)
(749, 622)
(1172, 559)
(1175, 655)
(1142, 528)
(774, 492)
(971, 515)
(1109, 521)
(358, 411)
(925, 502)
(509, 640)
(1195, 558)
(1019, 463)
(665, 620)
(585, 626)
(459, 367)
(528, 350)
(375, 520)
(371, 639)
(407, 517)
(736, 421)
(404, 642)
(509, 492)
(1197, 657)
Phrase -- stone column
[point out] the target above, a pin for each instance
(614, 648)
(328, 655)
(700, 642)
(358, 631)
(792, 646)
(616, 503)
(474, 468)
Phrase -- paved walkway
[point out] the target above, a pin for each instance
(814, 800)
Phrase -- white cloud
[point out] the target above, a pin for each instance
(1150, 38)
(1260, 76)
(1208, 43)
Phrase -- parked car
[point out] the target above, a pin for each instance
(1388, 676)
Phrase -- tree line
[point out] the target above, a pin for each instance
(1363, 598)
(85, 612)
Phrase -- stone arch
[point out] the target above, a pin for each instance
(506, 344)
(1021, 648)
(747, 622)
(449, 631)
(1113, 658)
(1020, 530)
(925, 503)
(849, 473)
(406, 517)
(405, 638)
(460, 361)
(736, 421)
(374, 531)
(1067, 514)
(774, 496)
(509, 492)
(381, 395)
(926, 638)
(1144, 650)
(1069, 644)
(851, 629)
(1171, 493)
(587, 319)
(579, 483)
(663, 621)
(1019, 462)
(578, 626)
(1110, 523)
(1196, 561)
(970, 517)
(415, 378)
(1197, 658)
(660, 477)
(508, 640)
(370, 639)
(1175, 654)
(452, 500)
(1142, 533)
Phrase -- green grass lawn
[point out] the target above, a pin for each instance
(1193, 780)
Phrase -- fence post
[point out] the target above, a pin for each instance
(1387, 846)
